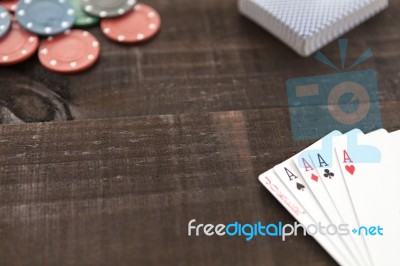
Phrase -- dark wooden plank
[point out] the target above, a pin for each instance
(206, 58)
(121, 192)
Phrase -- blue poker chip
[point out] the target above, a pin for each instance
(46, 17)
(5, 21)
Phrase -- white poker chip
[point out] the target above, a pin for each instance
(306, 26)
(45, 17)
(108, 8)
(5, 21)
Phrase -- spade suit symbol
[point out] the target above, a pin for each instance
(300, 187)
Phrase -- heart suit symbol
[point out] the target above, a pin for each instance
(350, 168)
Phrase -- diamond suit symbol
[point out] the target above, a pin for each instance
(314, 177)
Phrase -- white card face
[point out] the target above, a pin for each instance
(395, 133)
(326, 164)
(315, 181)
(369, 169)
(275, 186)
(293, 180)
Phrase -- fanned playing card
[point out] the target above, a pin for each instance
(346, 180)
(316, 183)
(327, 165)
(276, 187)
(299, 187)
(369, 167)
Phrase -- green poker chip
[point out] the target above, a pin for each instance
(83, 19)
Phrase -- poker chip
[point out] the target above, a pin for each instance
(5, 21)
(10, 5)
(82, 19)
(17, 46)
(46, 17)
(139, 25)
(108, 8)
(71, 52)
(66, 50)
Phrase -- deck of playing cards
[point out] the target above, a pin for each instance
(348, 185)
(308, 25)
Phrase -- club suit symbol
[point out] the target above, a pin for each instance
(328, 174)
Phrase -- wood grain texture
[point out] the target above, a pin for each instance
(124, 193)
(121, 191)
(206, 113)
(206, 58)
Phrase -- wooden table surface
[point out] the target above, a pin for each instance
(175, 129)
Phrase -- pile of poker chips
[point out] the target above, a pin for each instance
(54, 28)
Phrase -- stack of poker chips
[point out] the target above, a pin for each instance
(64, 49)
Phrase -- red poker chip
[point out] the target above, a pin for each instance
(71, 52)
(10, 5)
(139, 25)
(17, 46)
